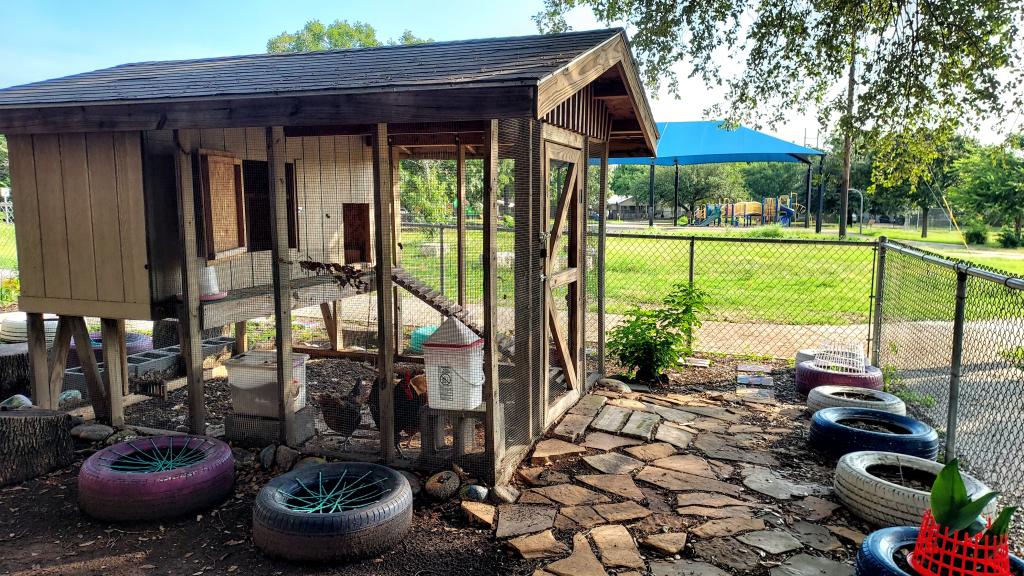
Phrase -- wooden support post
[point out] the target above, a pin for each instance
(59, 359)
(37, 360)
(123, 342)
(87, 359)
(602, 230)
(460, 220)
(396, 239)
(330, 322)
(384, 204)
(281, 273)
(495, 441)
(241, 337)
(189, 330)
(112, 335)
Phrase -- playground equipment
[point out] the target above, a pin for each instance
(781, 210)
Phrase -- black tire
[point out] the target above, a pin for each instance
(281, 531)
(852, 397)
(809, 377)
(877, 552)
(830, 436)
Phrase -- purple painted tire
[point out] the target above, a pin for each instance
(113, 485)
(809, 377)
(133, 341)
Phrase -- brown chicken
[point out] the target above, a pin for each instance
(410, 401)
(342, 414)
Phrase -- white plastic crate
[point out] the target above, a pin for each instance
(847, 357)
(252, 378)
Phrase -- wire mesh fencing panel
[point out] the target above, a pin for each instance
(767, 297)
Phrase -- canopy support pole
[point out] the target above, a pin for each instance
(675, 198)
(807, 206)
(821, 194)
(650, 197)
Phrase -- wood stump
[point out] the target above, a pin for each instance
(15, 374)
(33, 442)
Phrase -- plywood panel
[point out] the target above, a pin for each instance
(213, 139)
(111, 282)
(240, 267)
(75, 181)
(52, 216)
(131, 214)
(330, 214)
(23, 189)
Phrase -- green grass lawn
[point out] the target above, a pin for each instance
(8, 250)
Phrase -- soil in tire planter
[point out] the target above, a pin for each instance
(857, 396)
(874, 426)
(907, 477)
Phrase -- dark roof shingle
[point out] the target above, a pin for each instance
(513, 60)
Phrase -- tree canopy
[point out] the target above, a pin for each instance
(315, 35)
(990, 181)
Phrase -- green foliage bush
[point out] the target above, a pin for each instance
(976, 233)
(769, 231)
(651, 341)
(1008, 238)
(10, 289)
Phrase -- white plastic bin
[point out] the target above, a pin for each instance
(454, 360)
(252, 378)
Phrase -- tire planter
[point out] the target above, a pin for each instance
(133, 341)
(852, 397)
(809, 377)
(805, 354)
(877, 553)
(303, 516)
(885, 503)
(156, 477)
(829, 434)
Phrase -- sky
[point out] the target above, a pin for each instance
(42, 39)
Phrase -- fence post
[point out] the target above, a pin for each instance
(876, 328)
(955, 362)
(693, 241)
(441, 239)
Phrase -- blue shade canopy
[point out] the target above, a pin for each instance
(706, 142)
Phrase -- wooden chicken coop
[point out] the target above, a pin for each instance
(139, 187)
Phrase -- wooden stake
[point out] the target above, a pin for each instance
(383, 204)
(114, 377)
(37, 360)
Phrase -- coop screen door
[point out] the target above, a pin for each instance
(223, 204)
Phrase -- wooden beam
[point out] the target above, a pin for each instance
(408, 106)
(396, 244)
(37, 360)
(383, 203)
(563, 277)
(189, 329)
(330, 322)
(241, 337)
(87, 359)
(280, 270)
(495, 437)
(59, 359)
(460, 202)
(114, 377)
(565, 201)
(602, 229)
(562, 348)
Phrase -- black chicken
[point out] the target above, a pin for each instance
(343, 414)
(410, 401)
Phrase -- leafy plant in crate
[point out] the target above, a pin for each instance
(651, 341)
(954, 540)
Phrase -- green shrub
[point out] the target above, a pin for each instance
(10, 289)
(892, 383)
(651, 341)
(976, 233)
(769, 231)
(1008, 238)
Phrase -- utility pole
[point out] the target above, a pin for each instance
(650, 196)
(675, 199)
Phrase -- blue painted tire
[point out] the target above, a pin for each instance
(830, 436)
(877, 553)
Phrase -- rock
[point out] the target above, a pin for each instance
(589, 405)
(541, 545)
(607, 442)
(771, 484)
(215, 430)
(473, 493)
(649, 452)
(807, 565)
(680, 481)
(814, 509)
(671, 414)
(613, 463)
(618, 484)
(478, 513)
(726, 448)
(616, 547)
(674, 435)
(727, 527)
(515, 519)
(243, 457)
(540, 476)
(718, 513)
(17, 401)
(771, 541)
(668, 543)
(181, 428)
(727, 552)
(570, 495)
(415, 484)
(550, 450)
(564, 523)
(611, 419)
(285, 458)
(584, 516)
(687, 463)
(817, 537)
(443, 485)
(613, 385)
(622, 511)
(309, 461)
(92, 432)
(68, 396)
(572, 427)
(686, 568)
(504, 494)
(709, 500)
(847, 533)
(121, 436)
(531, 497)
(628, 404)
(641, 425)
(581, 562)
(267, 456)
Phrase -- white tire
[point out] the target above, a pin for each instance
(805, 354)
(853, 397)
(884, 503)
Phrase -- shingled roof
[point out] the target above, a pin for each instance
(488, 62)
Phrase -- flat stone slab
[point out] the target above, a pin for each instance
(649, 452)
(753, 368)
(668, 543)
(553, 449)
(585, 516)
(847, 533)
(607, 442)
(685, 568)
(616, 547)
(771, 541)
(745, 429)
(716, 512)
(92, 432)
(516, 519)
(531, 497)
(715, 412)
(541, 545)
(622, 511)
(613, 463)
(611, 419)
(641, 425)
(589, 405)
(541, 476)
(758, 395)
(671, 414)
(754, 380)
(815, 536)
(681, 481)
(687, 463)
(570, 495)
(771, 484)
(709, 499)
(727, 527)
(479, 513)
(726, 448)
(572, 427)
(697, 362)
(618, 484)
(582, 561)
(627, 403)
(673, 435)
(807, 565)
(727, 552)
(814, 509)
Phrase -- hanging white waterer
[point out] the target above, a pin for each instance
(454, 359)
(208, 287)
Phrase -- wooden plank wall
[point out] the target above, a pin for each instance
(81, 223)
(582, 113)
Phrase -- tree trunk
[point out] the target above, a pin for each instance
(15, 374)
(924, 221)
(1017, 224)
(33, 442)
(844, 194)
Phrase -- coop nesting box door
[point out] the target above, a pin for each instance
(454, 360)
(223, 204)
